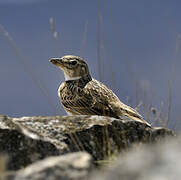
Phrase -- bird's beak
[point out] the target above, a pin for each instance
(57, 61)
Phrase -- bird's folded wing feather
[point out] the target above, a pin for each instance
(92, 99)
(96, 99)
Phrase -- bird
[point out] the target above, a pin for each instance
(81, 94)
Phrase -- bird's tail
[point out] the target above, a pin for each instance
(133, 114)
(140, 119)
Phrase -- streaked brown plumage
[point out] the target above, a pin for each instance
(80, 94)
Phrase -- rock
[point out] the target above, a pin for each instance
(73, 166)
(29, 139)
(20, 148)
(161, 161)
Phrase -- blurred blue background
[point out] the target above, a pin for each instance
(139, 45)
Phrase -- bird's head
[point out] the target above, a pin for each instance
(74, 67)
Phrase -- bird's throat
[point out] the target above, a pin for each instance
(68, 78)
(79, 81)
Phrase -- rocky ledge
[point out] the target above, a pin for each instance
(26, 140)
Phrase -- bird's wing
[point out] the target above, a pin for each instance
(111, 104)
(96, 99)
(93, 99)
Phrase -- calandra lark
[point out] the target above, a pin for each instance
(80, 94)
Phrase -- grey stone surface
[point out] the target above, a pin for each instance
(161, 161)
(29, 139)
(73, 166)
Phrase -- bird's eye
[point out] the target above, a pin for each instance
(73, 62)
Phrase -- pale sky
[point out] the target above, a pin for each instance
(19, 1)
(138, 48)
